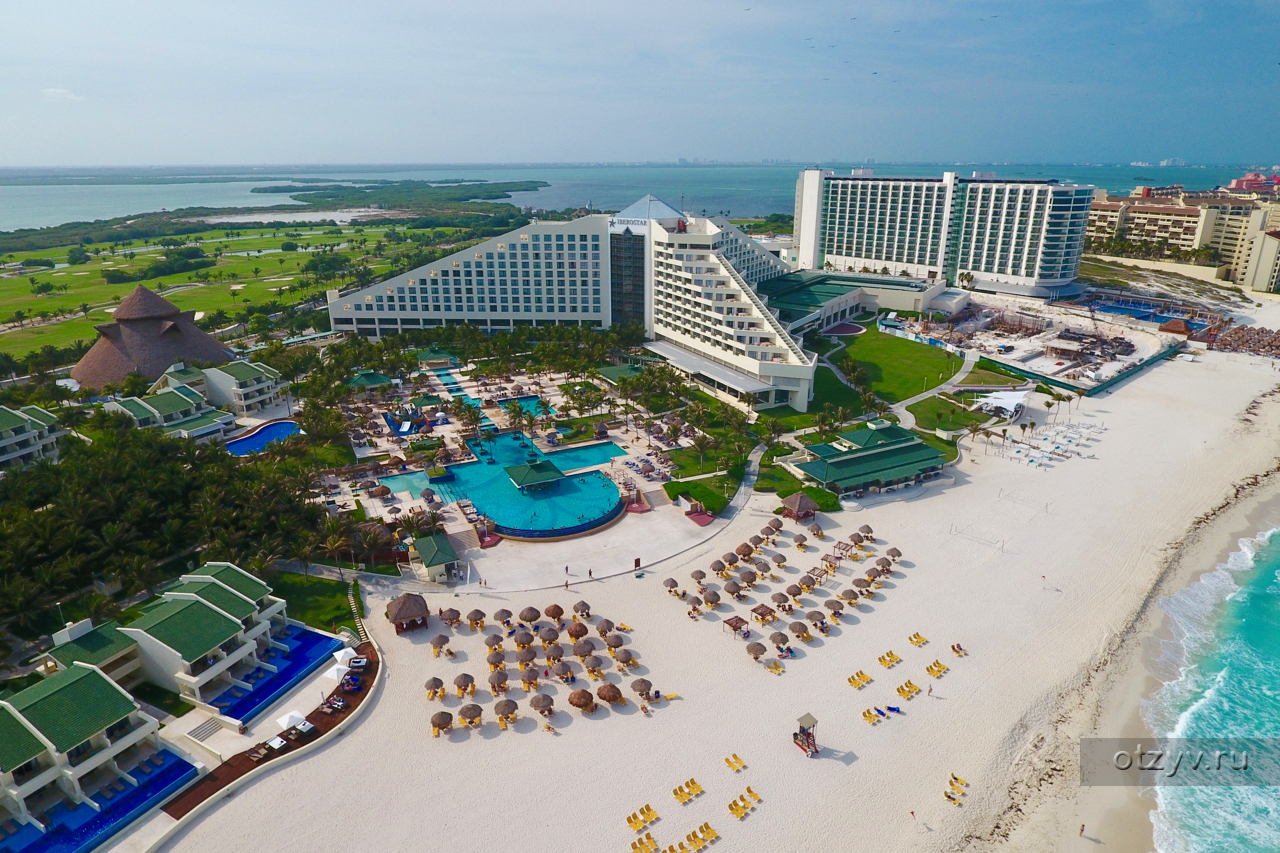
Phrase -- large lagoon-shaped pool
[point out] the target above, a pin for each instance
(576, 504)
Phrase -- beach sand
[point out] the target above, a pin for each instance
(1101, 532)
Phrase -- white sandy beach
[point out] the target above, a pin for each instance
(1097, 530)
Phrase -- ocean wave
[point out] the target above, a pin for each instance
(1209, 675)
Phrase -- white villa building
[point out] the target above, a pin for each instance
(27, 434)
(1021, 237)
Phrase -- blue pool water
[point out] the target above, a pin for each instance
(1225, 674)
(308, 651)
(580, 501)
(84, 829)
(451, 382)
(1142, 312)
(255, 442)
(528, 403)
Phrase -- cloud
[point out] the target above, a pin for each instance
(64, 95)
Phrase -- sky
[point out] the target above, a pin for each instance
(541, 81)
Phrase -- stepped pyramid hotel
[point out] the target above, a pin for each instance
(717, 305)
(1018, 237)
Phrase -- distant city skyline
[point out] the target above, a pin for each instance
(988, 81)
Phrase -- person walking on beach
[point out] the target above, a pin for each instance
(1082, 830)
(930, 690)
(566, 570)
(589, 575)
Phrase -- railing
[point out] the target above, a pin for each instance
(765, 313)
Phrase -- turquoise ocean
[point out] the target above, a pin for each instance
(1223, 680)
(741, 190)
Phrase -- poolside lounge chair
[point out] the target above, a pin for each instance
(753, 794)
(694, 787)
(680, 795)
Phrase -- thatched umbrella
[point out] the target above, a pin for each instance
(463, 681)
(498, 679)
(815, 528)
(767, 531)
(493, 641)
(873, 572)
(524, 638)
(439, 641)
(779, 559)
(712, 597)
(756, 650)
(732, 587)
(609, 693)
(577, 631)
(497, 659)
(671, 583)
(526, 656)
(743, 550)
(541, 702)
(530, 615)
(883, 562)
(798, 628)
(861, 583)
(641, 686)
(441, 720)
(866, 530)
(794, 591)
(380, 491)
(779, 598)
(593, 662)
(470, 712)
(581, 699)
(800, 504)
(833, 605)
(604, 626)
(800, 539)
(717, 566)
(427, 494)
(624, 656)
(554, 652)
(434, 684)
(554, 611)
(730, 559)
(582, 648)
(856, 538)
(529, 676)
(450, 615)
(775, 523)
(475, 616)
(694, 601)
(699, 575)
(747, 576)
(582, 608)
(894, 553)
(755, 542)
(613, 641)
(816, 616)
(548, 635)
(850, 595)
(505, 707)
(779, 639)
(561, 669)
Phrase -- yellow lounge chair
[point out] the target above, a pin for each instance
(502, 723)
(736, 810)
(653, 845)
(711, 834)
(950, 798)
(694, 787)
(870, 717)
(622, 627)
(753, 794)
(746, 804)
(956, 778)
(680, 796)
(697, 842)
(670, 696)
(957, 788)
(635, 824)
(730, 764)
(741, 764)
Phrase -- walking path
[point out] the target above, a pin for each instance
(908, 420)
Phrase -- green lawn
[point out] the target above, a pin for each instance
(940, 412)
(712, 497)
(948, 449)
(988, 372)
(897, 368)
(319, 602)
(376, 569)
(775, 478)
(827, 389)
(165, 700)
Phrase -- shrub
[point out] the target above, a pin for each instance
(695, 491)
(38, 262)
(288, 246)
(77, 255)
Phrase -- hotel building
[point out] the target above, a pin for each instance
(27, 434)
(1020, 237)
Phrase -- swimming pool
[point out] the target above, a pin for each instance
(529, 403)
(255, 441)
(575, 504)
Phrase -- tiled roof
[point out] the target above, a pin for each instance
(190, 393)
(40, 415)
(135, 407)
(17, 744)
(71, 706)
(9, 419)
(233, 604)
(193, 629)
(242, 370)
(435, 550)
(238, 579)
(534, 474)
(168, 402)
(99, 645)
(217, 416)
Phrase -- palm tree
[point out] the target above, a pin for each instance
(335, 546)
(702, 443)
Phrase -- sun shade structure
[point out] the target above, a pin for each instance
(712, 597)
(582, 608)
(580, 699)
(641, 685)
(554, 611)
(441, 720)
(534, 475)
(541, 702)
(439, 641)
(433, 684)
(776, 524)
(799, 505)
(368, 379)
(554, 652)
(732, 587)
(493, 640)
(779, 597)
(147, 334)
(624, 656)
(548, 635)
(502, 615)
(756, 650)
(609, 693)
(463, 680)
(779, 639)
(582, 648)
(529, 615)
(604, 626)
(408, 610)
(798, 628)
(504, 707)
(699, 575)
(894, 553)
(470, 712)
(496, 659)
(671, 583)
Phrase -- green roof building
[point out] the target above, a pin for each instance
(880, 457)
(193, 629)
(236, 578)
(244, 387)
(368, 378)
(432, 357)
(613, 374)
(56, 734)
(178, 411)
(27, 434)
(534, 475)
(436, 555)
